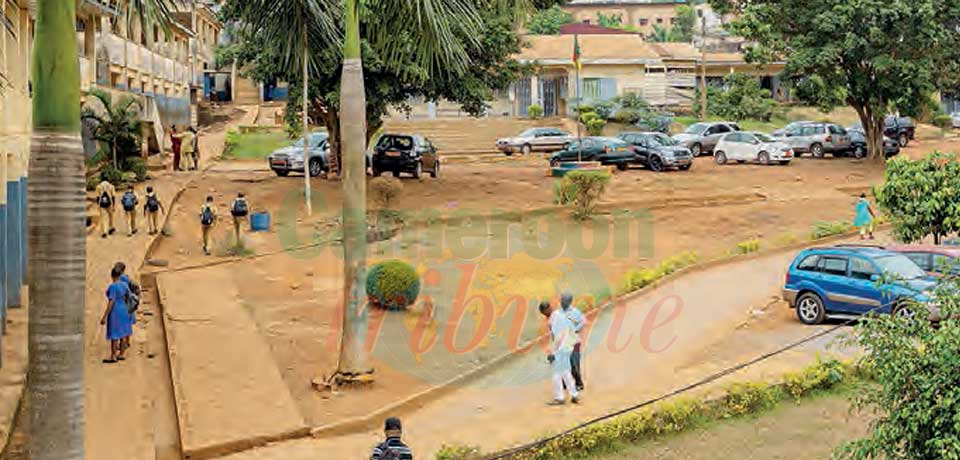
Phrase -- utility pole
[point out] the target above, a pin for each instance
(703, 66)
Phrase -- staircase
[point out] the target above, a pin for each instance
(248, 91)
(472, 135)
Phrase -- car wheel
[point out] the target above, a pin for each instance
(656, 164)
(281, 173)
(903, 140)
(396, 173)
(696, 150)
(316, 167)
(903, 310)
(526, 149)
(720, 158)
(417, 170)
(436, 170)
(763, 158)
(810, 309)
(816, 150)
(622, 166)
(554, 162)
(859, 152)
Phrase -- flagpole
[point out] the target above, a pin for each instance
(576, 63)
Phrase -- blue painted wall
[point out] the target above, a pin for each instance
(23, 230)
(3, 263)
(12, 255)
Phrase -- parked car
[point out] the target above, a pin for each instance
(902, 129)
(752, 146)
(817, 139)
(955, 116)
(657, 151)
(701, 138)
(535, 139)
(853, 281)
(410, 153)
(659, 124)
(858, 145)
(606, 150)
(935, 260)
(285, 160)
(780, 132)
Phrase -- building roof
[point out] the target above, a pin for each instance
(580, 28)
(676, 51)
(604, 49)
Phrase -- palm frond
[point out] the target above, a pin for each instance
(105, 98)
(286, 22)
(147, 12)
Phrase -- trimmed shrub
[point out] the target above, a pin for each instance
(393, 284)
(642, 277)
(385, 189)
(113, 175)
(605, 109)
(137, 166)
(749, 246)
(535, 111)
(585, 108)
(564, 192)
(595, 126)
(587, 188)
(823, 229)
(585, 117)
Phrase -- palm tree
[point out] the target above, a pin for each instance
(56, 231)
(117, 125)
(663, 34)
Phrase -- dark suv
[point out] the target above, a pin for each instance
(901, 129)
(658, 151)
(410, 153)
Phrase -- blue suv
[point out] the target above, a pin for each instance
(846, 280)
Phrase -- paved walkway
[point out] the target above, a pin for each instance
(661, 331)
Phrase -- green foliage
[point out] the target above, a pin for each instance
(665, 34)
(583, 109)
(113, 175)
(748, 246)
(115, 124)
(548, 21)
(686, 20)
(595, 126)
(749, 398)
(916, 397)
(639, 278)
(604, 109)
(385, 189)
(628, 116)
(535, 111)
(137, 166)
(821, 376)
(944, 122)
(253, 145)
(632, 101)
(612, 21)
(743, 99)
(393, 284)
(587, 189)
(564, 192)
(456, 452)
(877, 57)
(922, 198)
(823, 229)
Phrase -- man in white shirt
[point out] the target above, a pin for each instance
(562, 340)
(578, 320)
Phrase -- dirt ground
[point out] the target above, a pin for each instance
(293, 294)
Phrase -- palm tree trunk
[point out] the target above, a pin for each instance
(306, 127)
(354, 358)
(56, 236)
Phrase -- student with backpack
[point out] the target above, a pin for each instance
(208, 216)
(106, 199)
(151, 210)
(239, 211)
(116, 317)
(132, 299)
(392, 448)
(129, 202)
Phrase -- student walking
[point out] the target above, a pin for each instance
(578, 321)
(196, 148)
(864, 217)
(129, 202)
(106, 200)
(562, 340)
(132, 300)
(392, 448)
(239, 211)
(175, 146)
(116, 317)
(208, 216)
(151, 211)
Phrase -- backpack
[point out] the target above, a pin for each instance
(153, 204)
(239, 208)
(104, 200)
(133, 297)
(129, 201)
(206, 217)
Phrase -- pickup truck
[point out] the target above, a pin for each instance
(900, 128)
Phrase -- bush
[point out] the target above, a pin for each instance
(393, 284)
(595, 126)
(604, 109)
(587, 187)
(584, 108)
(586, 117)
(137, 166)
(564, 192)
(749, 246)
(385, 189)
(627, 116)
(448, 452)
(944, 122)
(823, 229)
(113, 175)
(534, 111)
(640, 278)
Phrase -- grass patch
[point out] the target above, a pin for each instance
(637, 278)
(253, 145)
(748, 246)
(823, 229)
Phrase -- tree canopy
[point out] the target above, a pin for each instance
(922, 197)
(875, 56)
(548, 21)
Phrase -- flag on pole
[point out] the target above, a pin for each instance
(576, 51)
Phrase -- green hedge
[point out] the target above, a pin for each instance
(637, 278)
(393, 284)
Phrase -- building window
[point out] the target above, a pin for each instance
(591, 88)
(659, 20)
(644, 21)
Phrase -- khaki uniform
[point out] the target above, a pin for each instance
(187, 150)
(153, 217)
(131, 215)
(207, 228)
(106, 214)
(238, 220)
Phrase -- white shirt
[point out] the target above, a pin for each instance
(561, 330)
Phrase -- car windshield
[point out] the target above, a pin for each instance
(764, 137)
(697, 128)
(899, 266)
(315, 140)
(663, 139)
(529, 133)
(395, 142)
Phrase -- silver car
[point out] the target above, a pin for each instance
(285, 160)
(817, 139)
(702, 137)
(535, 139)
(750, 146)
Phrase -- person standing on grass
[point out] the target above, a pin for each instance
(186, 147)
(239, 211)
(578, 321)
(562, 340)
(208, 216)
(151, 211)
(175, 146)
(129, 202)
(116, 317)
(864, 217)
(392, 448)
(106, 201)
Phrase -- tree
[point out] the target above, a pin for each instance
(663, 35)
(548, 21)
(116, 125)
(915, 399)
(742, 98)
(685, 22)
(881, 56)
(921, 197)
(613, 21)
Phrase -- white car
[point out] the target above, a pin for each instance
(750, 146)
(956, 119)
(535, 139)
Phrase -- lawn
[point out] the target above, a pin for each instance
(254, 145)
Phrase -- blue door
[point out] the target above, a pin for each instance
(864, 293)
(835, 283)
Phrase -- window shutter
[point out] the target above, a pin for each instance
(608, 88)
